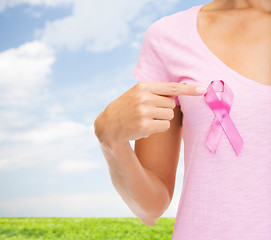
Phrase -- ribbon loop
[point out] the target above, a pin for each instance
(222, 120)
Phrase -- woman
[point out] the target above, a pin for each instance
(225, 195)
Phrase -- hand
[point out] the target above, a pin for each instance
(144, 109)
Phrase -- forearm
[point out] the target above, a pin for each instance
(142, 191)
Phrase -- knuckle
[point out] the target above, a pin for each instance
(143, 125)
(141, 86)
(171, 114)
(141, 111)
(173, 87)
(147, 135)
(166, 125)
(143, 98)
(173, 103)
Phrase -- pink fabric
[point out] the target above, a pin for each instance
(224, 196)
(221, 111)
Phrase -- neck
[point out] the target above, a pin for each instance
(262, 5)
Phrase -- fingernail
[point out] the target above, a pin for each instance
(200, 90)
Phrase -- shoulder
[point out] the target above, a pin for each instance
(169, 25)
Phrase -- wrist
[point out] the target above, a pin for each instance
(106, 132)
(101, 129)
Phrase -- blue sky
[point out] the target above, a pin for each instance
(61, 63)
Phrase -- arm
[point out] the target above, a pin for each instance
(144, 178)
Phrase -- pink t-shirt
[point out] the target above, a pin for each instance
(224, 196)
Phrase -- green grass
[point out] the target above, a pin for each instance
(85, 228)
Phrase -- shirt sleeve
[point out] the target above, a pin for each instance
(150, 65)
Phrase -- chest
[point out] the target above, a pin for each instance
(245, 47)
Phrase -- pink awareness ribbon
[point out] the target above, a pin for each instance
(222, 120)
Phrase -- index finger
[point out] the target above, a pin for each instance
(174, 88)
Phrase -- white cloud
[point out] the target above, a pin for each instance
(92, 93)
(24, 71)
(67, 167)
(48, 3)
(50, 132)
(58, 143)
(55, 110)
(63, 147)
(66, 205)
(101, 25)
(104, 204)
(94, 26)
(98, 204)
